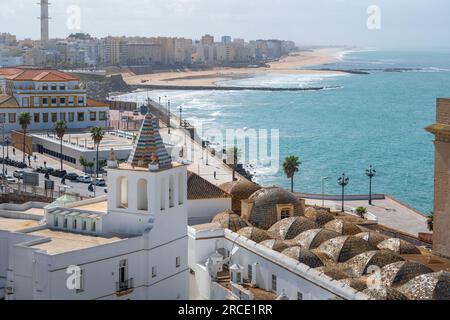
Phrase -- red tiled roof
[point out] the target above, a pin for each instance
(7, 101)
(25, 74)
(95, 103)
(199, 188)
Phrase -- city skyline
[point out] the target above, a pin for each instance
(320, 23)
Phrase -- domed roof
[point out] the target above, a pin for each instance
(359, 265)
(343, 248)
(385, 294)
(343, 227)
(304, 256)
(289, 228)
(319, 216)
(398, 273)
(359, 284)
(255, 234)
(374, 238)
(431, 286)
(230, 220)
(333, 272)
(276, 245)
(313, 238)
(239, 190)
(398, 246)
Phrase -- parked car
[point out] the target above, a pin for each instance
(59, 173)
(18, 174)
(47, 170)
(100, 182)
(72, 176)
(84, 179)
(8, 178)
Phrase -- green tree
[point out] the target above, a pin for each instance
(97, 135)
(291, 165)
(90, 165)
(24, 121)
(233, 157)
(361, 212)
(430, 221)
(83, 162)
(60, 129)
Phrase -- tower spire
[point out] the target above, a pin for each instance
(44, 22)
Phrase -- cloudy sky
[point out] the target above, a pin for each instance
(403, 23)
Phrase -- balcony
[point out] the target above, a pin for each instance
(124, 287)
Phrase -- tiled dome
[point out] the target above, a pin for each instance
(264, 206)
(431, 286)
(276, 245)
(343, 248)
(333, 272)
(398, 246)
(359, 284)
(304, 256)
(374, 238)
(319, 216)
(313, 238)
(230, 220)
(398, 273)
(239, 190)
(385, 294)
(255, 234)
(289, 228)
(359, 265)
(343, 227)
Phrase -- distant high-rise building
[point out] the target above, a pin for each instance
(44, 22)
(208, 39)
(226, 39)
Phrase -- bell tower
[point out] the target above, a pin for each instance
(441, 217)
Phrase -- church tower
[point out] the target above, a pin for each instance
(441, 225)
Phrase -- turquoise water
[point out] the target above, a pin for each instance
(376, 119)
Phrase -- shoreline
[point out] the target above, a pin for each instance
(295, 63)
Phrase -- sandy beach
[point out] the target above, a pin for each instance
(211, 78)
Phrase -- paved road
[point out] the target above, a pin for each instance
(71, 187)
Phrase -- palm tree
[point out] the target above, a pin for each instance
(291, 165)
(97, 135)
(430, 222)
(24, 121)
(60, 129)
(233, 156)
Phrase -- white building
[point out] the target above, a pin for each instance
(130, 244)
(48, 96)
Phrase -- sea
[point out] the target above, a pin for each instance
(374, 116)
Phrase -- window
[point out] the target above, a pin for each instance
(142, 195)
(83, 225)
(71, 100)
(65, 222)
(37, 117)
(80, 116)
(62, 116)
(285, 213)
(123, 271)
(62, 101)
(274, 283)
(163, 194)
(102, 116)
(36, 101)
(54, 87)
(154, 272)
(80, 101)
(55, 221)
(93, 226)
(54, 117)
(122, 193)
(25, 102)
(45, 101)
(299, 296)
(2, 117)
(45, 117)
(45, 87)
(93, 116)
(12, 118)
(180, 189)
(178, 262)
(74, 224)
(250, 272)
(71, 116)
(238, 277)
(62, 87)
(54, 101)
(171, 192)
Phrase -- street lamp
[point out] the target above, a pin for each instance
(181, 113)
(323, 190)
(168, 106)
(343, 182)
(370, 173)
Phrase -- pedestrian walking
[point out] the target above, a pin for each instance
(215, 175)
(35, 158)
(14, 151)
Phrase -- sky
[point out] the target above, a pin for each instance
(394, 23)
